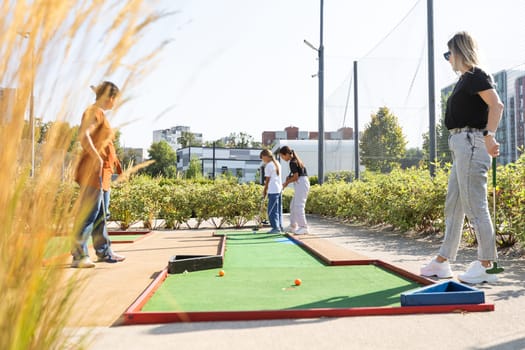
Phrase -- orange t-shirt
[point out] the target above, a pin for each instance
(87, 172)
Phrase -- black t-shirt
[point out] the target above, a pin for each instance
(295, 168)
(465, 107)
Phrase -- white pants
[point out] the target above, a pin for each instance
(297, 216)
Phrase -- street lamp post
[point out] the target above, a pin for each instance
(320, 77)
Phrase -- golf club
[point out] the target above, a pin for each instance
(494, 269)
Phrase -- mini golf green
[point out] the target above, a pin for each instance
(124, 238)
(260, 271)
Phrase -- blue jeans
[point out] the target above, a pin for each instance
(106, 202)
(93, 224)
(275, 211)
(467, 195)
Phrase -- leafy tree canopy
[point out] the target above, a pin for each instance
(165, 160)
(382, 144)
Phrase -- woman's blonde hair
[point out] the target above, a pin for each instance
(465, 48)
(268, 153)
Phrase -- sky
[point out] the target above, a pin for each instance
(241, 65)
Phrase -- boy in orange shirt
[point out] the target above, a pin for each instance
(93, 174)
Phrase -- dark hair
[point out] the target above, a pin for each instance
(268, 153)
(106, 87)
(291, 152)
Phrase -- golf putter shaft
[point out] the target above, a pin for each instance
(494, 269)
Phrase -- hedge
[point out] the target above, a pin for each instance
(405, 199)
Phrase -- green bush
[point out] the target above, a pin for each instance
(241, 204)
(123, 207)
(411, 200)
(510, 202)
(176, 201)
(336, 176)
(176, 210)
(405, 199)
(149, 199)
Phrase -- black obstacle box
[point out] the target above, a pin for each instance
(189, 263)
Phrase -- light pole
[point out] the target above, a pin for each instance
(26, 35)
(432, 157)
(320, 77)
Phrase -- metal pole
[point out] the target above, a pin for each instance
(432, 156)
(213, 165)
(356, 123)
(321, 102)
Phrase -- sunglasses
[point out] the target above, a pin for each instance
(447, 55)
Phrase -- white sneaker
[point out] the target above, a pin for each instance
(434, 268)
(290, 229)
(83, 263)
(301, 231)
(477, 273)
(112, 258)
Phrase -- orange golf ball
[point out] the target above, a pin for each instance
(222, 273)
(297, 281)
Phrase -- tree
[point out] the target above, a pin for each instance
(413, 157)
(235, 140)
(194, 169)
(187, 139)
(218, 144)
(240, 140)
(257, 144)
(118, 147)
(383, 143)
(165, 160)
(42, 130)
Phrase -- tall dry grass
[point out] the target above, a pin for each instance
(55, 48)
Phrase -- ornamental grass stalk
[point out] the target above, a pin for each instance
(50, 53)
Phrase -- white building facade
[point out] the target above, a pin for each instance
(172, 136)
(242, 163)
(338, 155)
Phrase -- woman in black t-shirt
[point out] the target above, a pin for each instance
(472, 116)
(299, 177)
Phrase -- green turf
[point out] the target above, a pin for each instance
(260, 273)
(118, 238)
(57, 246)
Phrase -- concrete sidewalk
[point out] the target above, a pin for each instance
(502, 329)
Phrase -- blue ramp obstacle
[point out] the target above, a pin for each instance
(445, 293)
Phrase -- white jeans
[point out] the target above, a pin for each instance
(297, 216)
(467, 195)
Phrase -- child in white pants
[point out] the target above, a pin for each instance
(299, 177)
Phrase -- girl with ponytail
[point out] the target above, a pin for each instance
(299, 177)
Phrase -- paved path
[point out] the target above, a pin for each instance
(109, 289)
(502, 329)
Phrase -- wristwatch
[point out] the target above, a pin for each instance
(488, 132)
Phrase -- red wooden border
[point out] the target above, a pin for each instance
(137, 317)
(126, 232)
(133, 315)
(139, 303)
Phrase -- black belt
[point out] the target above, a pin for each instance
(465, 129)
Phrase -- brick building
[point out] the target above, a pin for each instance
(293, 133)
